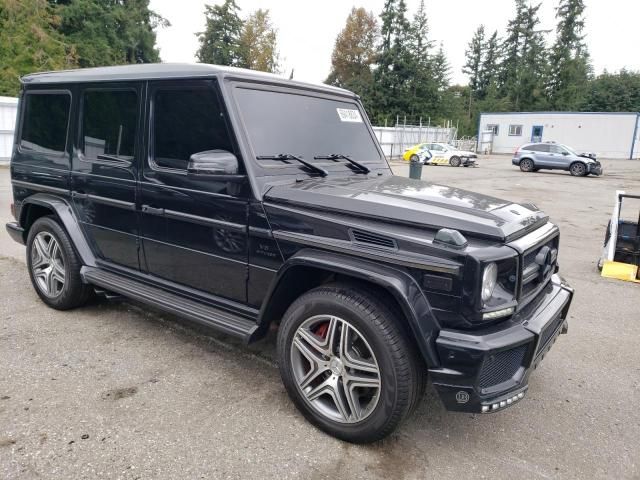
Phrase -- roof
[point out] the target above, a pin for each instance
(559, 113)
(158, 71)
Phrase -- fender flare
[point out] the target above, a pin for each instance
(398, 282)
(66, 215)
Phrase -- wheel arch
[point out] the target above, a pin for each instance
(310, 268)
(42, 204)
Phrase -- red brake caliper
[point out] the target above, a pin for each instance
(321, 330)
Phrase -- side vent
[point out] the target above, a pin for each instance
(372, 239)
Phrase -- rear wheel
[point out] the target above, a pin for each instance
(54, 267)
(578, 169)
(527, 165)
(455, 161)
(346, 364)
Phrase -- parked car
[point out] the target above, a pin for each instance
(555, 156)
(441, 154)
(242, 201)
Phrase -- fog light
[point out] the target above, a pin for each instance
(498, 313)
(485, 408)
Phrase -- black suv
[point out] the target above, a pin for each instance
(241, 200)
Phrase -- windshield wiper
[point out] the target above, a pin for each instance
(283, 157)
(337, 156)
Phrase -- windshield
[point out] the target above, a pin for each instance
(570, 150)
(308, 127)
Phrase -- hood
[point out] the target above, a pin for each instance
(418, 203)
(464, 152)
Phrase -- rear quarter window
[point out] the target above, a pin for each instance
(45, 122)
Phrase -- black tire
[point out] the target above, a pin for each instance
(578, 169)
(401, 374)
(414, 158)
(527, 165)
(455, 161)
(74, 292)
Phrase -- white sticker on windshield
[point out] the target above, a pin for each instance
(349, 115)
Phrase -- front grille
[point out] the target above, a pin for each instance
(538, 265)
(501, 366)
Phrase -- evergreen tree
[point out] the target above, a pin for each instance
(487, 84)
(29, 42)
(475, 61)
(394, 66)
(614, 92)
(423, 89)
(258, 43)
(220, 42)
(523, 65)
(441, 69)
(569, 59)
(110, 33)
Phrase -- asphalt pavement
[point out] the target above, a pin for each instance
(117, 390)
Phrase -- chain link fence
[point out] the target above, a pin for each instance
(395, 140)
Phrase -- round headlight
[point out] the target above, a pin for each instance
(489, 279)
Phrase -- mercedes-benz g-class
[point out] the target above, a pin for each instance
(242, 200)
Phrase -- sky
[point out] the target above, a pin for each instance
(307, 29)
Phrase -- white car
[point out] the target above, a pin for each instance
(444, 154)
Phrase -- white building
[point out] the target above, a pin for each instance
(8, 110)
(609, 135)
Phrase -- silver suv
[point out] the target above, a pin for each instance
(555, 156)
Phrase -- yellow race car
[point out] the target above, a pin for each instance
(440, 154)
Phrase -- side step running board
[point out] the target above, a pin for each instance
(219, 319)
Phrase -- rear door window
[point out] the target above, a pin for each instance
(538, 148)
(109, 123)
(46, 119)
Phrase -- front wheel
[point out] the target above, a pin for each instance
(578, 169)
(414, 158)
(455, 161)
(346, 364)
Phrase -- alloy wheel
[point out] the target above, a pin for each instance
(578, 169)
(47, 264)
(335, 369)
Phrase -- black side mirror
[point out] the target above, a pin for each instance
(214, 162)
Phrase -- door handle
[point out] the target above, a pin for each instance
(80, 195)
(152, 210)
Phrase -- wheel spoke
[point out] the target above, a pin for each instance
(313, 341)
(319, 390)
(317, 363)
(352, 400)
(339, 400)
(51, 282)
(41, 247)
(57, 271)
(367, 381)
(52, 249)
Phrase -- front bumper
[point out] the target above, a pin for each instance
(15, 231)
(595, 168)
(469, 161)
(487, 371)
